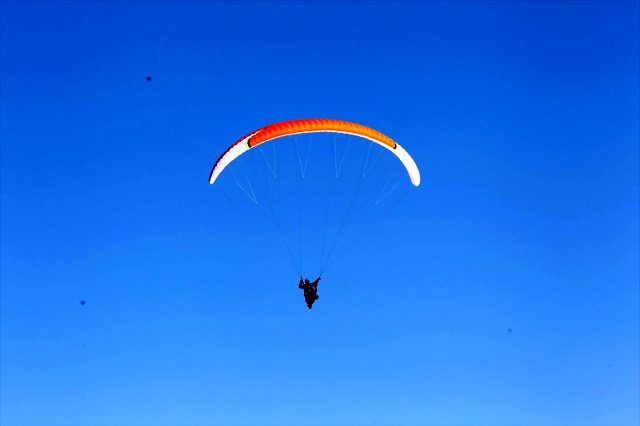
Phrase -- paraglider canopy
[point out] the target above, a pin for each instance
(312, 125)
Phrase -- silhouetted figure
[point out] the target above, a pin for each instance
(82, 302)
(310, 291)
(148, 78)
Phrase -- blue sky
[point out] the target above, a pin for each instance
(523, 118)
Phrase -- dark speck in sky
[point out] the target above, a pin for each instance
(148, 78)
(82, 302)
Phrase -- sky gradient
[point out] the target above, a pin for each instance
(504, 290)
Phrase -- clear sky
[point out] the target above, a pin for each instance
(503, 290)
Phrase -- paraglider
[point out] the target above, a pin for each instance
(310, 290)
(344, 207)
